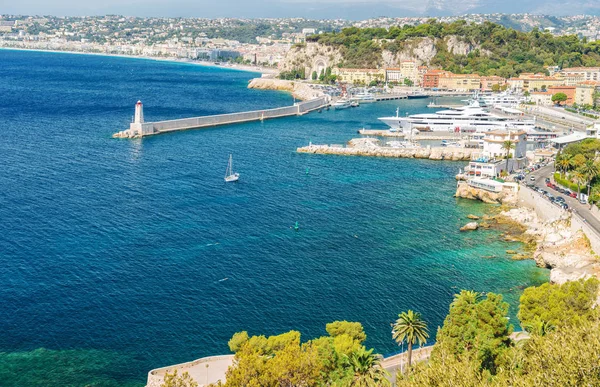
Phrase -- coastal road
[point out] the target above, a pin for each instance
(582, 210)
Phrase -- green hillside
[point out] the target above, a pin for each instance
(500, 51)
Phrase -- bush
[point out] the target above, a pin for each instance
(566, 183)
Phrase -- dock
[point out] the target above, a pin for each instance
(423, 136)
(139, 128)
(371, 147)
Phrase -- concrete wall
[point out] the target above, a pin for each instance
(205, 370)
(549, 212)
(223, 119)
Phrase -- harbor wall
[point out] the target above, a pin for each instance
(205, 370)
(151, 128)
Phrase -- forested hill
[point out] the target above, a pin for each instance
(491, 48)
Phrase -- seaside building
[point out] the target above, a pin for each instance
(538, 82)
(586, 91)
(459, 82)
(542, 98)
(408, 70)
(488, 82)
(584, 73)
(431, 79)
(491, 161)
(359, 76)
(568, 90)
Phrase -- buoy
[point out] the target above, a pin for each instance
(296, 226)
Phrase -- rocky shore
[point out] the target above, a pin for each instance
(565, 252)
(464, 190)
(371, 147)
(299, 90)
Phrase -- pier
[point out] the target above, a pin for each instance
(139, 128)
(372, 147)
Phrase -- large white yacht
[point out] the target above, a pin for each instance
(470, 118)
(505, 99)
(364, 97)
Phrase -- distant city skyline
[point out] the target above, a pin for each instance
(314, 9)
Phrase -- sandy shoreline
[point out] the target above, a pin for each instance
(236, 67)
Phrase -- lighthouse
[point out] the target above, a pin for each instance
(139, 113)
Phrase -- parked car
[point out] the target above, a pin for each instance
(560, 199)
(582, 201)
(565, 206)
(547, 180)
(532, 178)
(573, 195)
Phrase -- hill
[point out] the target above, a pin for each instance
(460, 47)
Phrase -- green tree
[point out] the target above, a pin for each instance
(408, 82)
(314, 76)
(578, 160)
(496, 88)
(579, 179)
(564, 163)
(410, 328)
(508, 145)
(590, 171)
(559, 305)
(366, 369)
(353, 329)
(559, 97)
(238, 339)
(174, 380)
(476, 327)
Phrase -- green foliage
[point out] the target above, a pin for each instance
(353, 329)
(365, 369)
(293, 74)
(314, 76)
(566, 183)
(502, 51)
(238, 339)
(565, 357)
(476, 327)
(408, 82)
(174, 380)
(559, 97)
(561, 305)
(282, 360)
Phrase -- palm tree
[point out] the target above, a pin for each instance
(507, 146)
(539, 327)
(578, 179)
(564, 162)
(469, 297)
(589, 171)
(410, 327)
(366, 369)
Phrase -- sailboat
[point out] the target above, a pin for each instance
(230, 176)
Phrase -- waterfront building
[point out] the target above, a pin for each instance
(408, 70)
(359, 76)
(539, 82)
(543, 98)
(491, 161)
(488, 82)
(568, 90)
(459, 82)
(585, 73)
(431, 79)
(515, 84)
(585, 92)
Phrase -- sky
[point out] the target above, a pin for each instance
(314, 9)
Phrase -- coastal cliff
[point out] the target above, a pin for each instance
(314, 56)
(298, 89)
(464, 190)
(566, 252)
(371, 147)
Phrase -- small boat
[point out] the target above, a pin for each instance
(342, 103)
(354, 104)
(230, 176)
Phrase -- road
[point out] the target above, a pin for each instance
(581, 210)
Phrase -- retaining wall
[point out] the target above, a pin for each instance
(205, 370)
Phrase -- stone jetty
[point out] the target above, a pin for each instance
(372, 147)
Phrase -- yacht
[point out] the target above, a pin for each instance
(470, 118)
(505, 99)
(364, 97)
(342, 103)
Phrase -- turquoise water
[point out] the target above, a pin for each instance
(112, 251)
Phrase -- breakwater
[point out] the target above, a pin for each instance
(371, 147)
(139, 128)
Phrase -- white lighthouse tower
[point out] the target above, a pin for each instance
(139, 113)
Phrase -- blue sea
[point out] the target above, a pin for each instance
(114, 253)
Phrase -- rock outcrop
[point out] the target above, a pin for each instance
(464, 190)
(565, 252)
(471, 226)
(299, 90)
